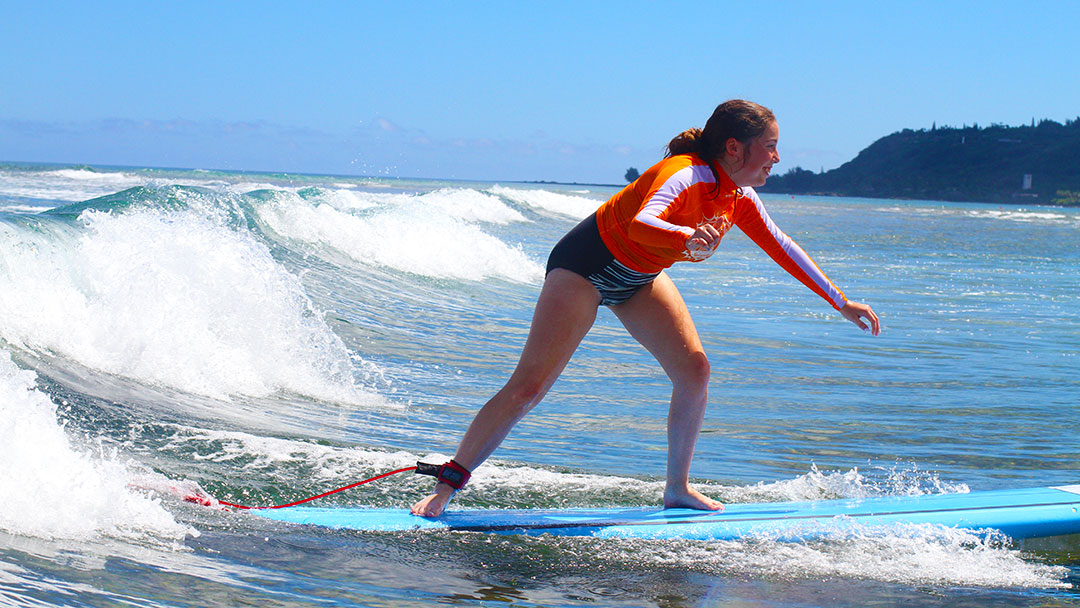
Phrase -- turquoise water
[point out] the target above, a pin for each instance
(267, 337)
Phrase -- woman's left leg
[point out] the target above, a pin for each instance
(657, 317)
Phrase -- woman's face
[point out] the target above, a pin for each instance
(758, 158)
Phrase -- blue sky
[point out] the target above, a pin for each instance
(565, 91)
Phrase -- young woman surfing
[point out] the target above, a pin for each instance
(677, 211)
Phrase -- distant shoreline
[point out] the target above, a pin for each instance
(551, 183)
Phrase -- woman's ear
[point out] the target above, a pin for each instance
(733, 148)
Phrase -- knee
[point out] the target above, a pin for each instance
(694, 372)
(522, 395)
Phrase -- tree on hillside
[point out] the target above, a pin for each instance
(632, 174)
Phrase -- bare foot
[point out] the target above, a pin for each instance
(433, 505)
(689, 498)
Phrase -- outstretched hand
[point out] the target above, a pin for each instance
(856, 312)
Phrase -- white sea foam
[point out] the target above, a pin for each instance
(55, 490)
(257, 452)
(76, 185)
(17, 208)
(459, 203)
(171, 299)
(1046, 216)
(817, 485)
(87, 175)
(347, 200)
(904, 554)
(246, 186)
(550, 202)
(304, 468)
(66, 185)
(434, 235)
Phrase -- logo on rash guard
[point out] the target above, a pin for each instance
(722, 225)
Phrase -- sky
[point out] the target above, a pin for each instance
(573, 91)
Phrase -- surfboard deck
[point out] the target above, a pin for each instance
(1024, 513)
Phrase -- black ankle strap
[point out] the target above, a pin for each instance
(450, 473)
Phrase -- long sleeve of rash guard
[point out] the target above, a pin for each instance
(651, 226)
(752, 218)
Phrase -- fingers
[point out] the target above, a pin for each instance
(710, 235)
(875, 324)
(434, 504)
(856, 312)
(704, 237)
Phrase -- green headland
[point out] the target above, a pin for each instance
(1033, 164)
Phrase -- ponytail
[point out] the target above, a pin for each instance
(686, 142)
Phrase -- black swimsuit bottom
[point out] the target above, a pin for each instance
(583, 252)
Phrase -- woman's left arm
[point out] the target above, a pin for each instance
(752, 218)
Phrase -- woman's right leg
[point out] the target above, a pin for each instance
(565, 311)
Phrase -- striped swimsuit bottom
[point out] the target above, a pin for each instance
(583, 252)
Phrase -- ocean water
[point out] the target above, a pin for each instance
(266, 337)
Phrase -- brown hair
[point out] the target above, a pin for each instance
(738, 118)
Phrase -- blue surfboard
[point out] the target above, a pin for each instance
(1023, 513)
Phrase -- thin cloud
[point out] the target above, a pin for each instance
(388, 126)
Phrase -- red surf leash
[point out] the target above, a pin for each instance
(451, 473)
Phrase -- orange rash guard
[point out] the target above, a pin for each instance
(646, 225)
